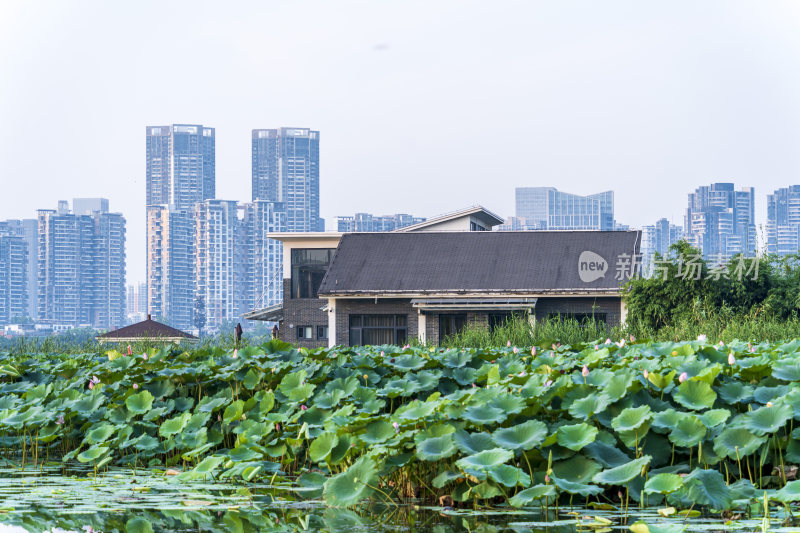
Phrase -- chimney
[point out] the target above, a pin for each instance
(148, 317)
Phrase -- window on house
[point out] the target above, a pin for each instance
(308, 268)
(451, 324)
(378, 329)
(305, 332)
(322, 332)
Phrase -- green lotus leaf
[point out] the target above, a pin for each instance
(765, 395)
(708, 487)
(696, 395)
(92, 453)
(448, 476)
(577, 468)
(786, 370)
(667, 419)
(328, 400)
(464, 376)
(174, 425)
(100, 434)
(485, 459)
(663, 484)
(484, 414)
(233, 412)
(508, 403)
(485, 491)
(661, 381)
(139, 403)
(416, 410)
(733, 441)
(137, 524)
(436, 448)
(576, 436)
(242, 454)
(472, 443)
(294, 386)
(252, 379)
(522, 436)
(688, 432)
(353, 485)
(586, 407)
(735, 392)
(406, 362)
(208, 465)
(789, 493)
(321, 447)
(509, 476)
(377, 432)
(456, 359)
(208, 404)
(339, 452)
(309, 485)
(715, 417)
(631, 418)
(575, 488)
(618, 385)
(434, 430)
(642, 527)
(605, 454)
(621, 475)
(768, 419)
(146, 443)
(532, 494)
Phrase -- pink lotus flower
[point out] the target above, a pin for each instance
(585, 371)
(548, 383)
(144, 356)
(91, 385)
(303, 407)
(135, 386)
(95, 379)
(60, 420)
(621, 343)
(753, 349)
(533, 351)
(406, 346)
(474, 386)
(731, 359)
(553, 347)
(608, 341)
(516, 350)
(633, 339)
(683, 377)
(277, 427)
(130, 352)
(702, 338)
(508, 344)
(235, 353)
(596, 346)
(721, 343)
(396, 427)
(522, 374)
(646, 373)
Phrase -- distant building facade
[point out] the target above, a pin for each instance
(137, 302)
(263, 256)
(180, 173)
(81, 267)
(657, 238)
(217, 260)
(285, 169)
(369, 222)
(27, 229)
(547, 208)
(14, 260)
(719, 221)
(783, 221)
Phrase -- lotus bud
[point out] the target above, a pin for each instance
(646, 373)
(135, 386)
(91, 385)
(585, 371)
(508, 344)
(277, 427)
(60, 420)
(721, 343)
(130, 352)
(396, 427)
(683, 377)
(474, 386)
(144, 356)
(522, 374)
(219, 417)
(533, 351)
(608, 341)
(753, 349)
(303, 407)
(235, 353)
(621, 343)
(546, 478)
(731, 359)
(553, 347)
(596, 346)
(548, 383)
(702, 338)
(244, 416)
(382, 354)
(366, 377)
(516, 350)
(633, 339)
(749, 346)
(769, 404)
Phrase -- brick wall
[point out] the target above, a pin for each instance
(345, 308)
(302, 312)
(552, 306)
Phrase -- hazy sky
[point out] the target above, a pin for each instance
(423, 107)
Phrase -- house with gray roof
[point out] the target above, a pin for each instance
(385, 288)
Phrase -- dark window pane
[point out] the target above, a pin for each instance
(402, 320)
(378, 335)
(308, 269)
(378, 321)
(451, 324)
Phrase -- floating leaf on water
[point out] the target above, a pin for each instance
(672, 527)
(532, 494)
(353, 485)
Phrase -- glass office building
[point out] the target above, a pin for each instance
(719, 221)
(546, 208)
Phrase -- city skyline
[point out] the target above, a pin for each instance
(416, 102)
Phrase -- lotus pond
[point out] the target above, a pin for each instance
(677, 435)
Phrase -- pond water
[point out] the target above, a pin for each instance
(50, 499)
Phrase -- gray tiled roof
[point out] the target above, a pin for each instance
(524, 261)
(146, 329)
